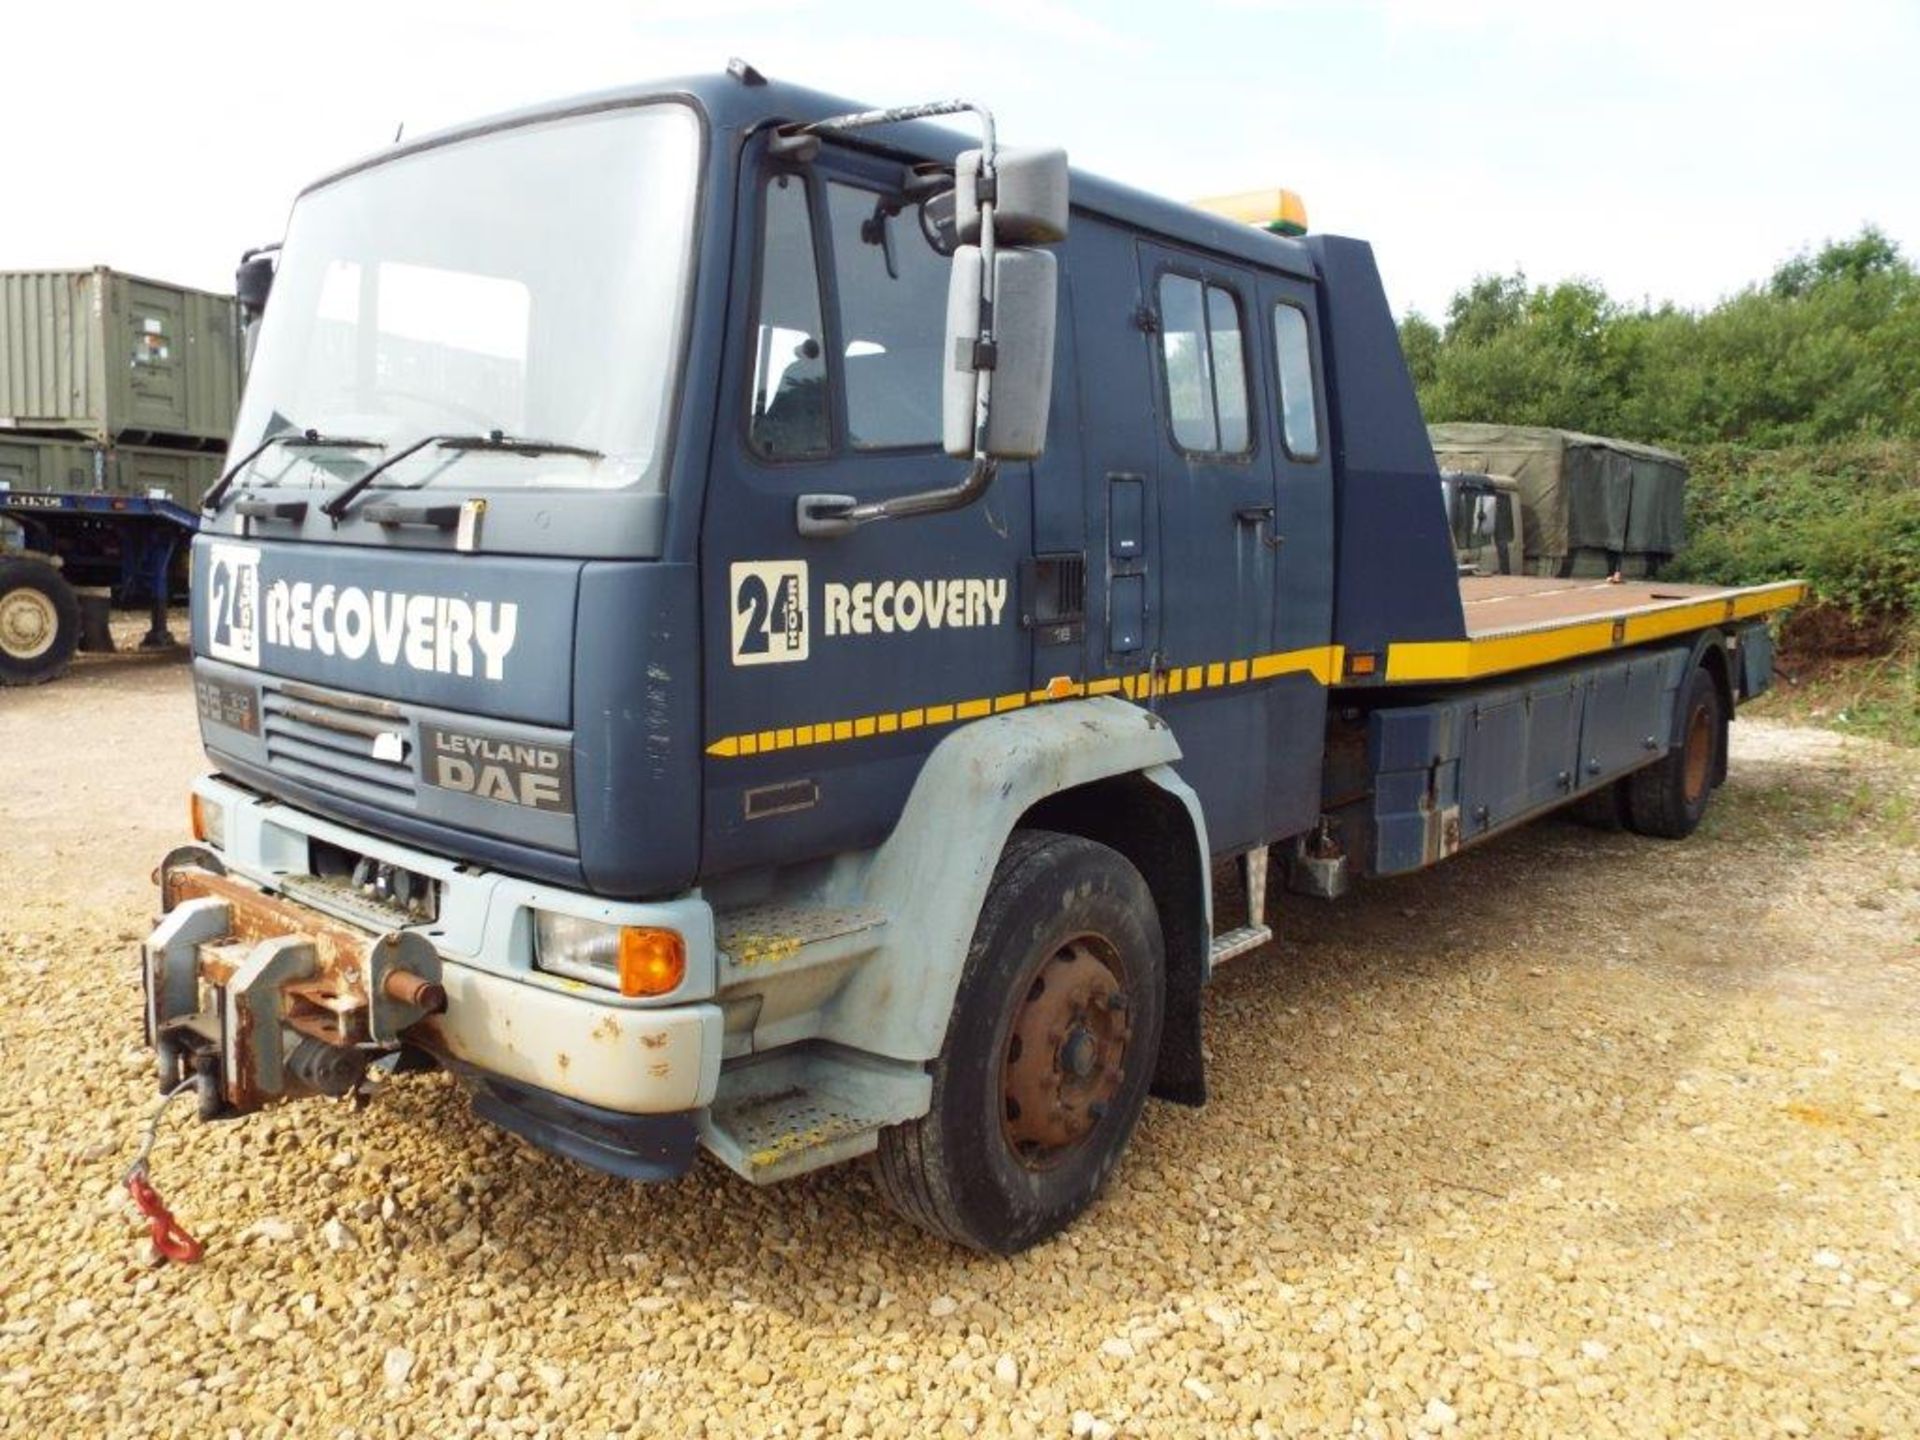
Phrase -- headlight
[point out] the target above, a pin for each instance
(208, 820)
(636, 960)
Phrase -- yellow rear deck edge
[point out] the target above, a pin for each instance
(1474, 658)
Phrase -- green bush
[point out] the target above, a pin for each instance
(1844, 517)
(1827, 349)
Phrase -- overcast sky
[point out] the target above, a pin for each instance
(1667, 148)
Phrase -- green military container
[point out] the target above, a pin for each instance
(46, 465)
(105, 356)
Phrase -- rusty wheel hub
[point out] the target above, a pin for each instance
(1698, 753)
(1066, 1054)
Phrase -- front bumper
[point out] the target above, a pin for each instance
(266, 991)
(631, 1147)
(636, 1062)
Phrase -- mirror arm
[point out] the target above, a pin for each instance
(825, 516)
(862, 119)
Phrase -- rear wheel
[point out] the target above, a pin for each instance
(1602, 809)
(1668, 798)
(1048, 1055)
(39, 621)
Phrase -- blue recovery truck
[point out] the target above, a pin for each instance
(735, 622)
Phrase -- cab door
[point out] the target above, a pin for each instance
(1288, 340)
(1213, 482)
(833, 664)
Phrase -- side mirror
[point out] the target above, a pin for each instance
(1020, 361)
(1028, 195)
(253, 282)
(1025, 204)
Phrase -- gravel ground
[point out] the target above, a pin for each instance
(1577, 1135)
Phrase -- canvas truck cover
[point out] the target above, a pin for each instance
(1586, 496)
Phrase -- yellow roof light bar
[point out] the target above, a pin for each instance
(1281, 211)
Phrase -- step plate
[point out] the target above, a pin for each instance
(792, 1131)
(798, 1109)
(765, 934)
(1231, 944)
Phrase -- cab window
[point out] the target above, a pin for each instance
(890, 287)
(1299, 414)
(1204, 355)
(788, 419)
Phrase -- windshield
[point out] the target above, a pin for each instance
(532, 281)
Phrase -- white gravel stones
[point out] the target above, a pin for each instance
(1601, 1188)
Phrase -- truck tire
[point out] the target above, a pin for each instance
(1048, 1054)
(39, 621)
(1602, 809)
(1668, 797)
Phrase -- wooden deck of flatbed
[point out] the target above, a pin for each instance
(1517, 622)
(1513, 604)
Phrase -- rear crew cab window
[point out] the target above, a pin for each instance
(1204, 353)
(891, 289)
(1299, 413)
(789, 411)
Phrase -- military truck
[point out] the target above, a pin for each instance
(117, 396)
(742, 623)
(1584, 506)
(1483, 514)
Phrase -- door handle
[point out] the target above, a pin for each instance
(1260, 517)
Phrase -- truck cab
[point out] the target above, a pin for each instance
(739, 622)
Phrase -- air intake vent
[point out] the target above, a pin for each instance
(1053, 597)
(344, 743)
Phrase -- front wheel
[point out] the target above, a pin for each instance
(1048, 1054)
(39, 621)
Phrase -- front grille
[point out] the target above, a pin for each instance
(348, 744)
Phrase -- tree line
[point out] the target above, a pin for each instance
(1825, 349)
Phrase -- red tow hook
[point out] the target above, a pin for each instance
(170, 1241)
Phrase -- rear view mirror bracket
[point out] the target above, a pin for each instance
(974, 342)
(796, 147)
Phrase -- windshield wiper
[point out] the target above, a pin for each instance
(336, 508)
(517, 445)
(293, 440)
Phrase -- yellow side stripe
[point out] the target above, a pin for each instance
(1407, 662)
(1320, 661)
(1431, 660)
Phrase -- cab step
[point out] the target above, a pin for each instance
(1242, 939)
(808, 1106)
(755, 938)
